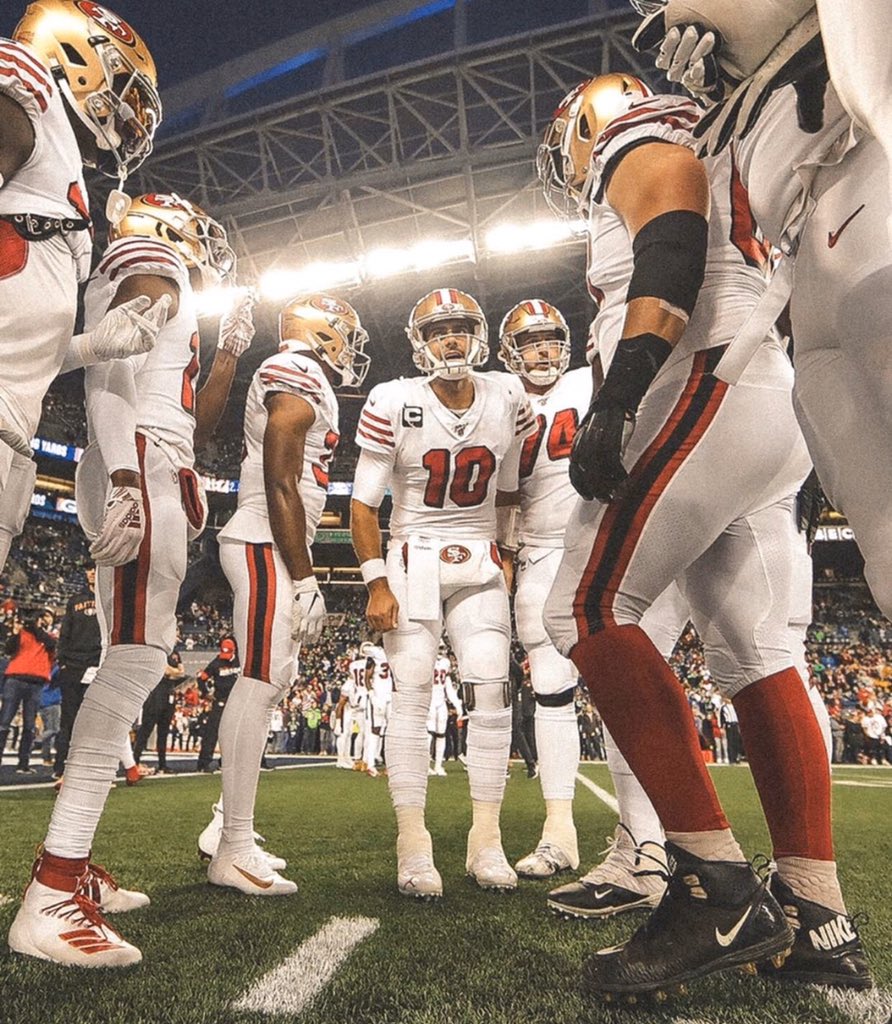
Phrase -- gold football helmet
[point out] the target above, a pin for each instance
(564, 158)
(104, 71)
(185, 227)
(538, 329)
(329, 327)
(448, 304)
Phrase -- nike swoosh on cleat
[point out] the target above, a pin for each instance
(259, 882)
(728, 937)
(833, 236)
(601, 895)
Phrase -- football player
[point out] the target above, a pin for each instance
(77, 87)
(448, 444)
(291, 432)
(379, 685)
(443, 693)
(348, 705)
(694, 479)
(534, 345)
(819, 191)
(138, 492)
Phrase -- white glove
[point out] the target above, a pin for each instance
(15, 439)
(123, 527)
(127, 330)
(308, 611)
(237, 326)
(688, 57)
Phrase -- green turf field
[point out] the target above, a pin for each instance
(475, 957)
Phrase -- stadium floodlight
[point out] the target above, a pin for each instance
(217, 302)
(536, 234)
(421, 256)
(278, 285)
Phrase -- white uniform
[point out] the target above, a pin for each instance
(137, 601)
(445, 472)
(443, 693)
(689, 507)
(840, 308)
(443, 565)
(253, 565)
(378, 701)
(38, 280)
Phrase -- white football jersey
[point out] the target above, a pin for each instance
(356, 684)
(443, 689)
(446, 468)
(737, 262)
(778, 160)
(382, 681)
(166, 376)
(294, 373)
(51, 182)
(546, 494)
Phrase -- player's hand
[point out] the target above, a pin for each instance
(129, 329)
(383, 610)
(596, 459)
(687, 53)
(123, 528)
(237, 326)
(307, 610)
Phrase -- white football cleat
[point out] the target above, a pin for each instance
(209, 841)
(490, 869)
(112, 899)
(544, 862)
(416, 876)
(69, 929)
(249, 873)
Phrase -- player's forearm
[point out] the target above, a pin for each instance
(365, 531)
(212, 398)
(111, 411)
(16, 138)
(288, 522)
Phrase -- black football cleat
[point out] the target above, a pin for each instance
(714, 916)
(827, 949)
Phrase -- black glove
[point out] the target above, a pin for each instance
(596, 459)
(811, 503)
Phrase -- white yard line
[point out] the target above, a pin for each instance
(873, 1007)
(867, 784)
(606, 798)
(295, 983)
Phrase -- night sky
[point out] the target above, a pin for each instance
(187, 38)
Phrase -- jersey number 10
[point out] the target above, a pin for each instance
(467, 482)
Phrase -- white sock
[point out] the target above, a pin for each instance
(344, 746)
(439, 751)
(408, 747)
(127, 758)
(636, 811)
(814, 880)
(715, 844)
(489, 746)
(243, 732)
(127, 676)
(485, 830)
(557, 741)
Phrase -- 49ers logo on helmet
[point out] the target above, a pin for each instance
(160, 200)
(329, 305)
(108, 20)
(454, 554)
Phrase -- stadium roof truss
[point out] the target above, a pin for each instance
(442, 149)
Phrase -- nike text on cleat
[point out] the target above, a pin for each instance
(416, 876)
(827, 949)
(713, 917)
(631, 877)
(69, 929)
(545, 861)
(490, 869)
(250, 873)
(112, 899)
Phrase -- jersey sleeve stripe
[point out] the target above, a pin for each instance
(137, 261)
(296, 376)
(7, 71)
(366, 422)
(145, 249)
(292, 386)
(377, 419)
(680, 119)
(376, 431)
(14, 51)
(378, 440)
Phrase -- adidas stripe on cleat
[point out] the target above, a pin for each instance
(714, 916)
(827, 949)
(69, 929)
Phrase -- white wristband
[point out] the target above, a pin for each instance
(373, 569)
